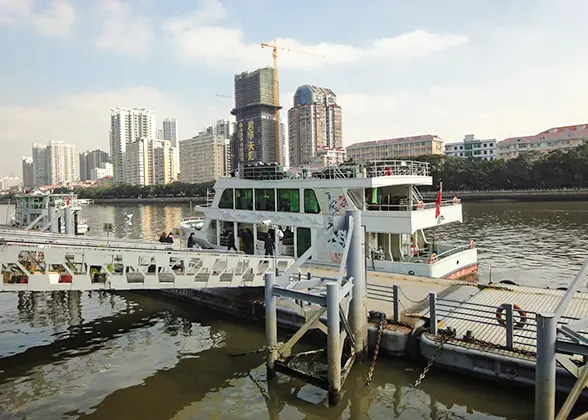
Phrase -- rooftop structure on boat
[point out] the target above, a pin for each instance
(48, 212)
(265, 207)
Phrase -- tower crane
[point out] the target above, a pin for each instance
(223, 96)
(275, 49)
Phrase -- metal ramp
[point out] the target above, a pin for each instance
(46, 262)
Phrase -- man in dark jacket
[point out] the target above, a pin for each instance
(170, 238)
(269, 244)
(231, 241)
(191, 240)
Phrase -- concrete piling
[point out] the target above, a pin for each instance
(356, 269)
(271, 324)
(545, 370)
(334, 345)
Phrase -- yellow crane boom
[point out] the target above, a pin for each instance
(275, 49)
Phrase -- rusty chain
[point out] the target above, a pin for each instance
(446, 335)
(264, 349)
(383, 321)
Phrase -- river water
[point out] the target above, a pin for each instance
(140, 356)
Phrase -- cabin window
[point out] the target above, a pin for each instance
(289, 200)
(311, 204)
(265, 199)
(244, 199)
(226, 200)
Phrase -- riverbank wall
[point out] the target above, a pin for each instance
(151, 200)
(515, 195)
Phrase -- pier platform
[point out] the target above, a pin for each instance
(479, 346)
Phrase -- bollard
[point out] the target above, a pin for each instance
(271, 324)
(545, 370)
(333, 346)
(356, 269)
(433, 312)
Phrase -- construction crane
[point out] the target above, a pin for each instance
(223, 96)
(275, 49)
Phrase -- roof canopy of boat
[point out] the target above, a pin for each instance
(350, 175)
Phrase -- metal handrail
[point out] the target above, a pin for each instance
(413, 207)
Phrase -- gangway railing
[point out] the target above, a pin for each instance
(37, 262)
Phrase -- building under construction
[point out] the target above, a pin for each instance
(254, 139)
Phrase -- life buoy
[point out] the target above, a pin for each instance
(454, 201)
(472, 244)
(518, 325)
(387, 171)
(420, 205)
(433, 258)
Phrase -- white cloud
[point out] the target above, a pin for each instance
(123, 30)
(199, 37)
(57, 20)
(84, 120)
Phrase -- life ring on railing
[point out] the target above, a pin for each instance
(420, 205)
(454, 201)
(518, 325)
(472, 244)
(433, 258)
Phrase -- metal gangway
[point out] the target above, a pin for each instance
(36, 261)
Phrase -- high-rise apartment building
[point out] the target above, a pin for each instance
(164, 159)
(204, 157)
(54, 163)
(314, 123)
(28, 174)
(170, 131)
(89, 161)
(149, 162)
(223, 128)
(396, 148)
(255, 136)
(127, 126)
(8, 183)
(41, 170)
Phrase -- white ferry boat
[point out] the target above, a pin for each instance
(299, 205)
(32, 211)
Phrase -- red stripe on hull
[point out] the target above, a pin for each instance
(464, 272)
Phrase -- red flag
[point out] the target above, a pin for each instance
(438, 201)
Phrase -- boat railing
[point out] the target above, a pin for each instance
(415, 206)
(349, 170)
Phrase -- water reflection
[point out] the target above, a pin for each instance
(147, 358)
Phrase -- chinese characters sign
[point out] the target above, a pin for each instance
(241, 139)
(250, 136)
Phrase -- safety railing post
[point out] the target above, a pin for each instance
(545, 370)
(396, 297)
(271, 324)
(433, 312)
(509, 325)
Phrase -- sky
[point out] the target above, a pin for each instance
(494, 68)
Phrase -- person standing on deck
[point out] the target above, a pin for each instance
(191, 240)
(231, 241)
(269, 244)
(170, 238)
(163, 237)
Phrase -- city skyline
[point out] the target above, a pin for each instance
(422, 67)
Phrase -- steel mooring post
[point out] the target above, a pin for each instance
(356, 269)
(333, 343)
(271, 324)
(545, 369)
(68, 220)
(52, 216)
